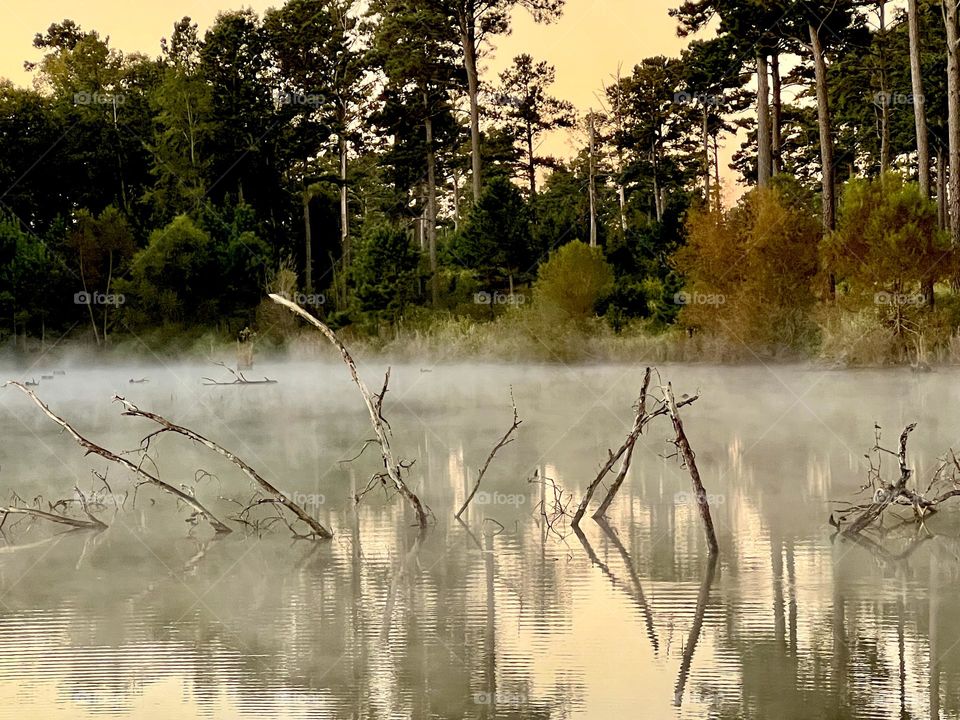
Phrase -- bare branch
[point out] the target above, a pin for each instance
(390, 465)
(505, 440)
(92, 448)
(275, 495)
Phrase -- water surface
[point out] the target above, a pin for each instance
(155, 618)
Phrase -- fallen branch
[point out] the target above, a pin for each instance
(391, 466)
(643, 418)
(238, 378)
(91, 524)
(628, 445)
(505, 440)
(886, 495)
(689, 459)
(92, 448)
(276, 496)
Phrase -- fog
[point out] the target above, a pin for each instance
(493, 618)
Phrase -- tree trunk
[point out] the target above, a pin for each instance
(706, 157)
(89, 299)
(941, 189)
(826, 142)
(716, 172)
(468, 38)
(456, 200)
(777, 120)
(763, 124)
(887, 98)
(657, 199)
(531, 163)
(106, 304)
(344, 205)
(592, 188)
(431, 202)
(307, 243)
(953, 105)
(919, 103)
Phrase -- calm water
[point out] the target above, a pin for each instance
(150, 619)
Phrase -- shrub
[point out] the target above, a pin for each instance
(572, 281)
(749, 273)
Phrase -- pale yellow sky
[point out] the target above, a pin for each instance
(585, 45)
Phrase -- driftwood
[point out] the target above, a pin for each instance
(853, 519)
(275, 496)
(628, 448)
(505, 440)
(643, 418)
(147, 477)
(689, 459)
(238, 378)
(391, 466)
(91, 524)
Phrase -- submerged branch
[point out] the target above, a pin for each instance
(505, 440)
(392, 467)
(689, 459)
(95, 449)
(276, 496)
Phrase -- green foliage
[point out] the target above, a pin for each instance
(496, 241)
(173, 279)
(385, 271)
(887, 239)
(572, 281)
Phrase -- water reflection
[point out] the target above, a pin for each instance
(494, 617)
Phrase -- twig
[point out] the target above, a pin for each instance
(505, 440)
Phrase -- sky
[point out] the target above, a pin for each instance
(586, 45)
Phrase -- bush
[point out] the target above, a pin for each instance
(749, 273)
(385, 271)
(573, 280)
(175, 278)
(887, 251)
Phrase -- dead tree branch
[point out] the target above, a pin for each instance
(238, 378)
(643, 418)
(887, 495)
(689, 459)
(92, 448)
(91, 524)
(505, 440)
(276, 496)
(392, 467)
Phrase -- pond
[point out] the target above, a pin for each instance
(496, 617)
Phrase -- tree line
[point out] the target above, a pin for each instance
(359, 156)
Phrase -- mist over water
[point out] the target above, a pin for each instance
(155, 618)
